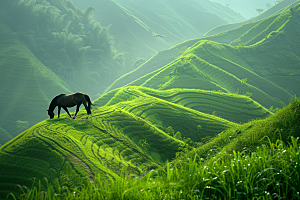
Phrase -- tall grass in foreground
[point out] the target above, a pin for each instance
(272, 172)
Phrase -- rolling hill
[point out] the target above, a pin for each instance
(129, 128)
(172, 21)
(196, 90)
(263, 64)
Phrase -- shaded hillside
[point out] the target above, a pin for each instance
(26, 84)
(48, 48)
(248, 8)
(69, 42)
(263, 70)
(274, 10)
(129, 127)
(172, 21)
(4, 136)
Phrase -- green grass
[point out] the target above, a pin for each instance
(128, 129)
(133, 128)
(63, 149)
(266, 168)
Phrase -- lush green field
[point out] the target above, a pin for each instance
(264, 49)
(135, 128)
(197, 121)
(256, 160)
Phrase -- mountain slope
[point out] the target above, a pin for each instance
(48, 48)
(26, 84)
(232, 107)
(129, 128)
(255, 70)
(274, 10)
(172, 21)
(4, 136)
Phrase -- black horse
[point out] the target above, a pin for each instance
(64, 101)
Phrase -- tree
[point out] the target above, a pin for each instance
(170, 131)
(259, 10)
(268, 5)
(129, 53)
(138, 63)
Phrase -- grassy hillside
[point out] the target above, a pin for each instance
(255, 70)
(133, 127)
(259, 159)
(202, 102)
(26, 84)
(138, 21)
(232, 107)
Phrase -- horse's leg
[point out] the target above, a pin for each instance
(66, 111)
(77, 109)
(59, 110)
(87, 109)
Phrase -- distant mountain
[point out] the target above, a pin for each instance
(265, 69)
(248, 8)
(138, 21)
(274, 10)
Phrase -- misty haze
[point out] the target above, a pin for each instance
(149, 99)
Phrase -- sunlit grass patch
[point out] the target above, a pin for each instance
(271, 172)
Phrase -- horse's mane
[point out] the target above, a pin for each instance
(54, 99)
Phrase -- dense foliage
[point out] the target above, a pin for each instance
(66, 40)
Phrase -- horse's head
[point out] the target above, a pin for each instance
(51, 114)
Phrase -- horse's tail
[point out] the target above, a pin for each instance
(87, 98)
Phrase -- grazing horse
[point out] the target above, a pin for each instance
(64, 101)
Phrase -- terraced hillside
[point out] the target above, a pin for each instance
(274, 10)
(232, 107)
(27, 86)
(179, 97)
(263, 70)
(129, 127)
(172, 22)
